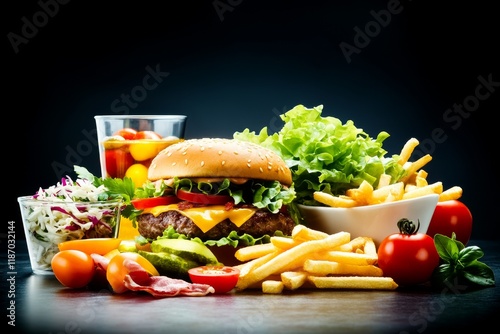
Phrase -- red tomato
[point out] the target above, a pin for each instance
(73, 268)
(223, 279)
(408, 257)
(203, 199)
(127, 133)
(451, 216)
(117, 162)
(147, 135)
(144, 203)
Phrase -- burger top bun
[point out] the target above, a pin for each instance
(219, 157)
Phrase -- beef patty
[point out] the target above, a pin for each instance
(261, 223)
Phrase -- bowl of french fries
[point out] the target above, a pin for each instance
(374, 211)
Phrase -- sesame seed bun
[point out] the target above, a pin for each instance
(219, 157)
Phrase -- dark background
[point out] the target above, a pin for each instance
(239, 64)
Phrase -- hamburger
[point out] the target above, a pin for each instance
(224, 192)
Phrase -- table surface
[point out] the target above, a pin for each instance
(42, 305)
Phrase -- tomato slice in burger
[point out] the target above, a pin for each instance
(203, 199)
(222, 278)
(144, 203)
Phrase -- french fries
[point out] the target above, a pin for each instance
(246, 253)
(290, 259)
(413, 184)
(293, 279)
(407, 150)
(334, 201)
(313, 259)
(271, 286)
(449, 194)
(325, 267)
(353, 282)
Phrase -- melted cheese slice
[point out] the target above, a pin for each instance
(206, 218)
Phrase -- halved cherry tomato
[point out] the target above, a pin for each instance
(147, 134)
(203, 199)
(127, 133)
(408, 257)
(222, 278)
(99, 246)
(73, 268)
(144, 203)
(116, 271)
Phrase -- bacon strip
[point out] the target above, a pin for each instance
(100, 261)
(138, 279)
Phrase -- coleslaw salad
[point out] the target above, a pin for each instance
(71, 209)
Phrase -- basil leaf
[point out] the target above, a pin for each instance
(442, 274)
(446, 248)
(470, 254)
(479, 273)
(461, 263)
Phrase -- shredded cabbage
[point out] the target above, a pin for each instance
(66, 211)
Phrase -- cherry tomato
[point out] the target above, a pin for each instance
(451, 216)
(138, 173)
(116, 271)
(147, 135)
(127, 133)
(203, 199)
(99, 246)
(147, 162)
(144, 150)
(222, 278)
(408, 257)
(117, 162)
(144, 203)
(73, 268)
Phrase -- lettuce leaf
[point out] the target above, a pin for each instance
(233, 239)
(325, 154)
(262, 194)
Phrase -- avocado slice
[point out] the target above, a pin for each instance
(188, 249)
(169, 264)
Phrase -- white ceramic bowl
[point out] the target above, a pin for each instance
(374, 221)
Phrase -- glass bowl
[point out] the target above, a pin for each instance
(49, 222)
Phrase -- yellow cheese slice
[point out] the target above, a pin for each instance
(206, 218)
